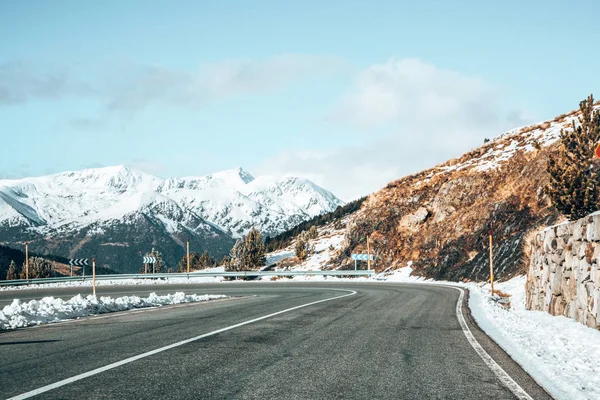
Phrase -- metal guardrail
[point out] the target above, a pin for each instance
(20, 282)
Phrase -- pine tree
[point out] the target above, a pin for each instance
(38, 268)
(312, 232)
(237, 253)
(574, 186)
(194, 262)
(300, 248)
(12, 271)
(225, 261)
(255, 249)
(303, 247)
(206, 261)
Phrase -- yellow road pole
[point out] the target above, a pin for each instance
(491, 265)
(26, 260)
(188, 256)
(94, 276)
(368, 254)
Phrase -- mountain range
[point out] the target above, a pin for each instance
(117, 214)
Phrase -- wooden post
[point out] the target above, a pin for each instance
(491, 264)
(94, 276)
(27, 260)
(368, 254)
(188, 256)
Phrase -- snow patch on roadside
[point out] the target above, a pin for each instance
(561, 354)
(49, 309)
(117, 282)
(558, 352)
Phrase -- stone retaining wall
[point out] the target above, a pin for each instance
(564, 272)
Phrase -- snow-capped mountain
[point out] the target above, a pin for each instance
(235, 201)
(108, 211)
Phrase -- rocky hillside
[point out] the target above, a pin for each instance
(439, 219)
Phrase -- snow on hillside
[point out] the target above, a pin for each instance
(231, 200)
(326, 247)
(493, 154)
(235, 201)
(79, 197)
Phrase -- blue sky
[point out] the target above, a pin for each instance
(351, 94)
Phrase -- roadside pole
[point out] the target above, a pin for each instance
(491, 265)
(368, 254)
(26, 260)
(94, 276)
(188, 256)
(355, 262)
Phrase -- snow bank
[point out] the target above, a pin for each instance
(558, 352)
(116, 282)
(21, 314)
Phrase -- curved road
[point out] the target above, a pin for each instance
(343, 340)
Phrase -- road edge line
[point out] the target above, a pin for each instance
(108, 367)
(509, 382)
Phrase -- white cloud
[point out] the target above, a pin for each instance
(416, 115)
(21, 82)
(411, 92)
(239, 76)
(131, 87)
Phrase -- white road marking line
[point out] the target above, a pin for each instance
(96, 371)
(490, 362)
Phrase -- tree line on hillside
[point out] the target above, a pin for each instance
(247, 253)
(12, 264)
(285, 238)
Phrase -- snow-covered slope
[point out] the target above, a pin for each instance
(77, 198)
(94, 210)
(232, 200)
(235, 201)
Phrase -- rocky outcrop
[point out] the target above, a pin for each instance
(564, 271)
(438, 220)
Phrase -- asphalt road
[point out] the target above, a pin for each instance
(386, 341)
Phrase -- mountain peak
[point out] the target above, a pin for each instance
(234, 176)
(244, 175)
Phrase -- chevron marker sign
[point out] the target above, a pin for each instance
(149, 260)
(78, 262)
(362, 257)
